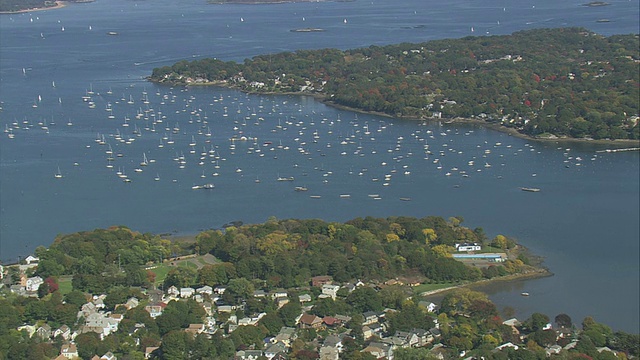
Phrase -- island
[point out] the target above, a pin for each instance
(18, 6)
(266, 2)
(305, 30)
(284, 289)
(565, 83)
(597, 3)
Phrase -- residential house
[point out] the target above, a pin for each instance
(329, 353)
(63, 331)
(195, 329)
(330, 291)
(131, 303)
(31, 259)
(108, 356)
(281, 301)
(468, 247)
(155, 296)
(307, 321)
(371, 330)
(278, 293)
(173, 291)
(155, 310)
(304, 298)
(379, 350)
(370, 317)
(69, 351)
(44, 332)
(149, 350)
(318, 281)
(553, 350)
(219, 289)
(33, 283)
(205, 290)
(248, 354)
(331, 321)
(272, 350)
(334, 341)
(187, 292)
(259, 293)
(286, 336)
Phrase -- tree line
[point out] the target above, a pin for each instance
(566, 82)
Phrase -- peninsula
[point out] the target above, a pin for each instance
(544, 83)
(312, 289)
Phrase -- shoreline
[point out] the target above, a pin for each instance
(538, 273)
(493, 126)
(58, 5)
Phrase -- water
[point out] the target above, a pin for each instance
(584, 221)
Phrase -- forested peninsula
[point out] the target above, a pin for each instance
(545, 83)
(284, 289)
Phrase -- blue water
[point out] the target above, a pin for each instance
(584, 221)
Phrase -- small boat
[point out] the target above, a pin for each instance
(58, 175)
(405, 199)
(300, 188)
(524, 293)
(345, 196)
(530, 189)
(315, 196)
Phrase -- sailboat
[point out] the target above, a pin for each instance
(58, 175)
(144, 162)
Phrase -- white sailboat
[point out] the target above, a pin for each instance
(144, 162)
(58, 175)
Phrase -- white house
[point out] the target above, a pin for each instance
(468, 247)
(31, 259)
(69, 351)
(33, 283)
(330, 290)
(187, 292)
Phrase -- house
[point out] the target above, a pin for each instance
(329, 353)
(195, 329)
(505, 345)
(187, 292)
(468, 247)
(108, 356)
(331, 321)
(370, 317)
(205, 290)
(69, 351)
(330, 290)
(131, 303)
(149, 350)
(304, 298)
(155, 310)
(379, 350)
(333, 341)
(31, 259)
(318, 281)
(63, 331)
(219, 289)
(155, 296)
(552, 350)
(281, 301)
(431, 307)
(272, 350)
(44, 332)
(286, 336)
(371, 330)
(248, 354)
(259, 294)
(307, 321)
(173, 291)
(33, 283)
(278, 293)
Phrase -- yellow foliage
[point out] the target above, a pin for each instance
(443, 250)
(392, 237)
(274, 243)
(430, 235)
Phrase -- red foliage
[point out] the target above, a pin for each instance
(527, 103)
(53, 284)
(536, 78)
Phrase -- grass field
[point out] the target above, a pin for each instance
(64, 285)
(430, 287)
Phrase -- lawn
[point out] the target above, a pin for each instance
(64, 285)
(430, 287)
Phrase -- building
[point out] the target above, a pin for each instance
(468, 247)
(318, 281)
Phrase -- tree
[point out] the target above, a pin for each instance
(175, 345)
(289, 312)
(537, 321)
(364, 298)
(180, 276)
(563, 320)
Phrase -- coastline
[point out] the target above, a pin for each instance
(618, 143)
(58, 5)
(538, 273)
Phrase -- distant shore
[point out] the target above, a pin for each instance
(493, 126)
(58, 5)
